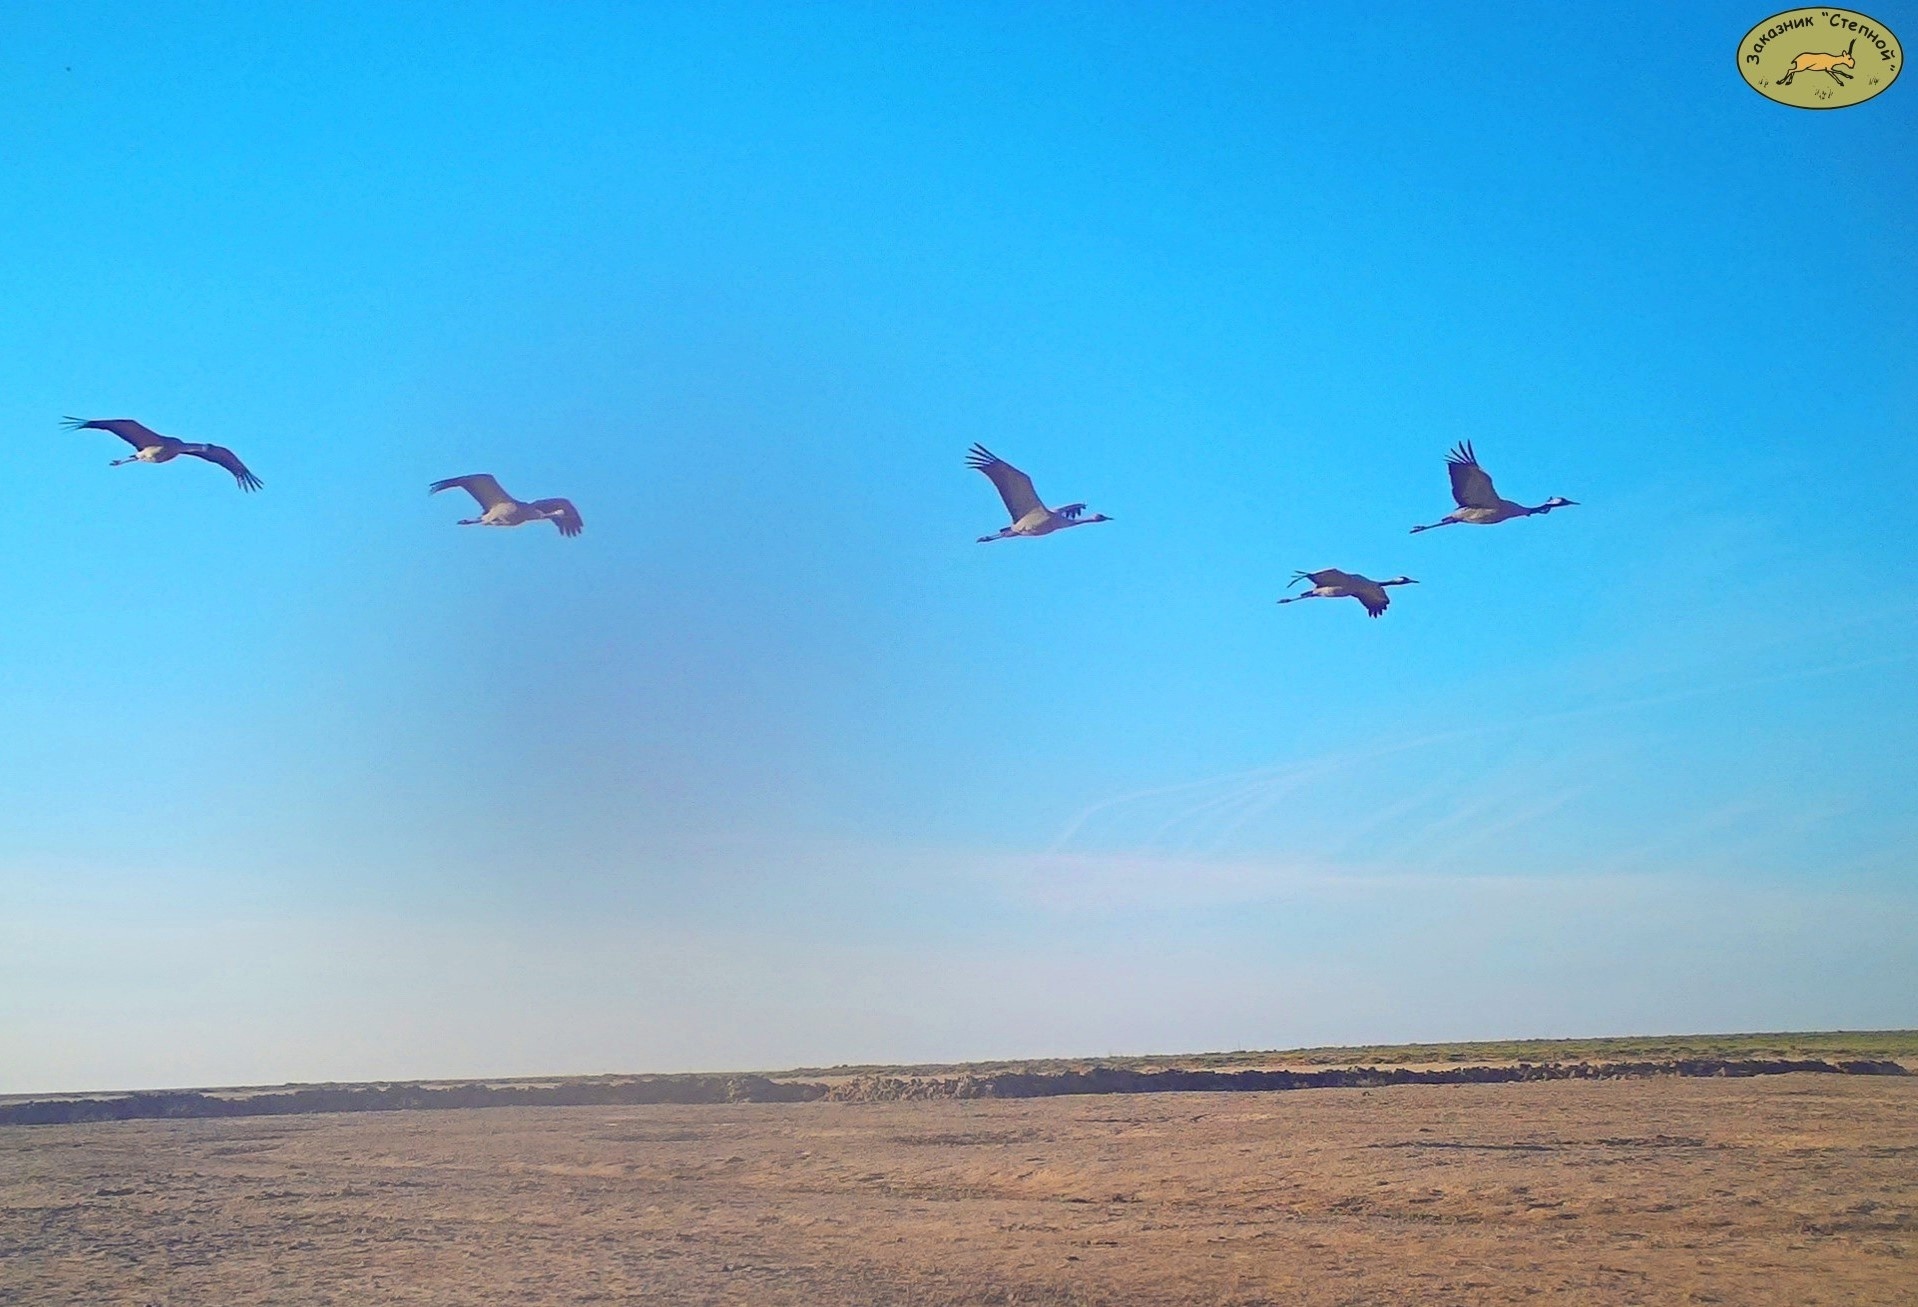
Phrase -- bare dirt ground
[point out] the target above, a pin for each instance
(1797, 1189)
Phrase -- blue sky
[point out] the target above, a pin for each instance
(775, 764)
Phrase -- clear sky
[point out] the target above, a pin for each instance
(774, 764)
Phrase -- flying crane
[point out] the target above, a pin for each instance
(149, 446)
(1478, 503)
(1030, 517)
(501, 509)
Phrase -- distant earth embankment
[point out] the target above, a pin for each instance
(1871, 1053)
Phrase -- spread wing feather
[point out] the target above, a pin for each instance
(562, 514)
(1014, 486)
(1471, 485)
(480, 485)
(227, 459)
(140, 437)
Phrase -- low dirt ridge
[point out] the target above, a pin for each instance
(696, 1089)
(1112, 1080)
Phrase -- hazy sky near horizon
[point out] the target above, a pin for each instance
(775, 765)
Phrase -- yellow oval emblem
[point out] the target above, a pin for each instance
(1820, 58)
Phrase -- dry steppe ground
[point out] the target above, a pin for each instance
(1795, 1189)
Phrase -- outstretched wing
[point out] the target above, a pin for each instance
(1373, 597)
(227, 459)
(1070, 512)
(480, 486)
(1014, 486)
(126, 428)
(1471, 486)
(562, 514)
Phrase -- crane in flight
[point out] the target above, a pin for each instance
(149, 446)
(1478, 503)
(1030, 517)
(501, 509)
(1334, 584)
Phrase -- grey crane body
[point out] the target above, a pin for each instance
(501, 509)
(1030, 516)
(1331, 583)
(149, 446)
(1478, 503)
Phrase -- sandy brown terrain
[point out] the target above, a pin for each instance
(1796, 1189)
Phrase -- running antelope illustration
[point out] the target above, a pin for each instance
(1834, 64)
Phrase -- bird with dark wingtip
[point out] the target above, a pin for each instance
(1478, 503)
(1030, 517)
(1334, 584)
(149, 446)
(501, 509)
